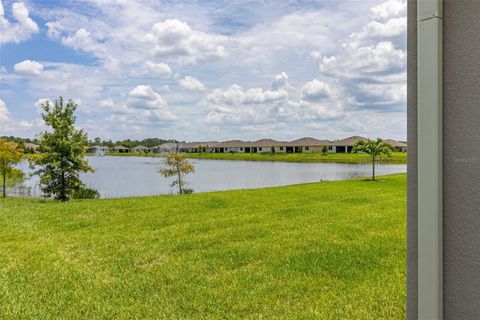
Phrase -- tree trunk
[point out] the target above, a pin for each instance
(373, 169)
(180, 189)
(63, 193)
(4, 178)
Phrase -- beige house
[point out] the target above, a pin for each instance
(121, 149)
(190, 147)
(269, 146)
(346, 145)
(307, 145)
(397, 145)
(237, 146)
(141, 149)
(303, 145)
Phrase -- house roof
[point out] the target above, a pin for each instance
(395, 143)
(215, 144)
(167, 145)
(141, 148)
(350, 141)
(120, 148)
(268, 143)
(236, 144)
(308, 142)
(190, 145)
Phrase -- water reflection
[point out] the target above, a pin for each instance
(138, 176)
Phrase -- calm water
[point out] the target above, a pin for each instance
(137, 176)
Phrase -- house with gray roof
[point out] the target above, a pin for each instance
(141, 149)
(121, 149)
(346, 145)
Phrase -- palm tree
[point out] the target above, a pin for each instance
(377, 149)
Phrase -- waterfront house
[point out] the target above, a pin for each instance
(308, 145)
(190, 147)
(397, 145)
(96, 149)
(141, 149)
(303, 145)
(237, 146)
(214, 147)
(165, 148)
(346, 145)
(269, 146)
(121, 149)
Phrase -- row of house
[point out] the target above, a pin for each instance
(303, 145)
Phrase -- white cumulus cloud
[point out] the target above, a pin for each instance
(158, 69)
(28, 68)
(280, 82)
(175, 39)
(316, 89)
(143, 104)
(4, 113)
(192, 84)
(20, 30)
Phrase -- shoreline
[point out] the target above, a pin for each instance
(353, 158)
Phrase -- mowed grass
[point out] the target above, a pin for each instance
(330, 250)
(397, 157)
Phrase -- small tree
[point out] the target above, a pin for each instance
(377, 149)
(62, 149)
(10, 154)
(324, 149)
(176, 165)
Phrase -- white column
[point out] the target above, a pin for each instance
(430, 198)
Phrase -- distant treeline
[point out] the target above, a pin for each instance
(149, 142)
(20, 141)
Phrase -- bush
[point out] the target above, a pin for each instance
(324, 150)
(85, 193)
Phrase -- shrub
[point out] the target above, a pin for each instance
(85, 193)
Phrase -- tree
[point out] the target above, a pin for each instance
(62, 149)
(324, 149)
(377, 149)
(176, 165)
(10, 154)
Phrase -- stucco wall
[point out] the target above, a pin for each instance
(412, 162)
(461, 160)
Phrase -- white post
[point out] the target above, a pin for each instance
(430, 199)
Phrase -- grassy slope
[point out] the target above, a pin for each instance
(332, 250)
(397, 157)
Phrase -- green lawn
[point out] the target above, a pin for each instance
(397, 157)
(331, 250)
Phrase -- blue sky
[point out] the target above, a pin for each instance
(207, 70)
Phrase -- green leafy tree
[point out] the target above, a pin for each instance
(177, 166)
(10, 154)
(62, 149)
(324, 149)
(376, 149)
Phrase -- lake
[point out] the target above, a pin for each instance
(138, 176)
